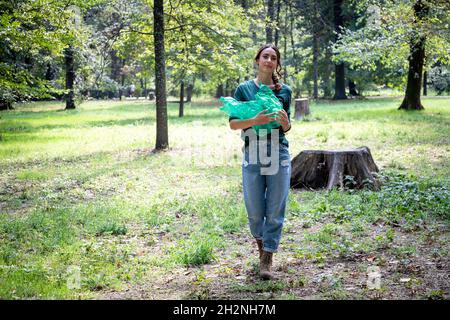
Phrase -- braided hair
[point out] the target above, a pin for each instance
(276, 76)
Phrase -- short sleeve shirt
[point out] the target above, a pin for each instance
(247, 91)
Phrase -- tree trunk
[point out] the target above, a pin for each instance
(181, 109)
(291, 31)
(411, 100)
(50, 73)
(315, 65)
(285, 48)
(352, 88)
(339, 88)
(122, 80)
(115, 69)
(270, 15)
(145, 88)
(317, 169)
(315, 34)
(219, 91)
(189, 90)
(326, 75)
(6, 105)
(425, 76)
(70, 77)
(277, 33)
(162, 135)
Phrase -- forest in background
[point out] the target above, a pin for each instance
(75, 50)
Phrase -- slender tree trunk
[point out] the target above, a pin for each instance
(315, 65)
(145, 88)
(411, 100)
(277, 33)
(115, 69)
(189, 90)
(122, 81)
(339, 88)
(352, 88)
(285, 55)
(284, 36)
(270, 15)
(50, 73)
(315, 32)
(162, 135)
(228, 88)
(70, 77)
(326, 76)
(219, 91)
(425, 76)
(291, 32)
(181, 109)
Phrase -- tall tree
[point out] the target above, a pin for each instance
(162, 135)
(319, 27)
(396, 36)
(277, 30)
(181, 108)
(416, 58)
(32, 34)
(69, 64)
(339, 87)
(270, 20)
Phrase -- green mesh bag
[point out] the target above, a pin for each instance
(265, 100)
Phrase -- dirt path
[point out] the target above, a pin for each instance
(424, 274)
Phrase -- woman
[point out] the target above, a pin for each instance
(265, 191)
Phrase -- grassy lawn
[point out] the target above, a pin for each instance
(88, 210)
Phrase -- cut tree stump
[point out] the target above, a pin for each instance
(301, 108)
(317, 169)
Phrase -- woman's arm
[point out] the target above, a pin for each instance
(241, 124)
(260, 118)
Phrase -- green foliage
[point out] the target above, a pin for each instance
(384, 33)
(112, 227)
(33, 36)
(439, 78)
(195, 251)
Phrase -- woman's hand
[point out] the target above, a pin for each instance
(283, 120)
(263, 118)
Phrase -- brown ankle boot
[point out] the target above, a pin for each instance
(265, 265)
(260, 247)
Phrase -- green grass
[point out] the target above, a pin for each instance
(82, 188)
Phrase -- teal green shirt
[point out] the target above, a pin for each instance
(247, 90)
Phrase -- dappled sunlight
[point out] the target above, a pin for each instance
(126, 211)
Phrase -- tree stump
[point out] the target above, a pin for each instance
(317, 169)
(301, 108)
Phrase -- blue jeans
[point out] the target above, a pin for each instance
(266, 193)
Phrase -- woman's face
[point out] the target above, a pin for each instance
(267, 60)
